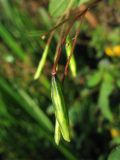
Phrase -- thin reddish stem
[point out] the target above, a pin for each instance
(72, 51)
(59, 50)
(57, 53)
(72, 17)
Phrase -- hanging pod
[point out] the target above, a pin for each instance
(57, 132)
(61, 112)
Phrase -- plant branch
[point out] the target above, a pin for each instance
(73, 17)
(72, 51)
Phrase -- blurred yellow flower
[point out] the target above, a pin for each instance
(113, 51)
(109, 51)
(116, 50)
(115, 133)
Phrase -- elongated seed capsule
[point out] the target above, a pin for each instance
(57, 133)
(60, 108)
(41, 63)
(72, 63)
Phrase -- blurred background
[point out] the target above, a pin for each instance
(91, 88)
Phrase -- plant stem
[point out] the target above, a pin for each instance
(72, 50)
(59, 51)
(73, 17)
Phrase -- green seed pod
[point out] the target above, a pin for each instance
(72, 63)
(60, 108)
(57, 133)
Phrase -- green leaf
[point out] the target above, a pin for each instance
(58, 7)
(34, 110)
(118, 83)
(11, 42)
(45, 18)
(94, 79)
(83, 1)
(115, 141)
(4, 111)
(27, 103)
(115, 154)
(7, 9)
(105, 91)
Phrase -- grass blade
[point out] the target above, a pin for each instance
(11, 43)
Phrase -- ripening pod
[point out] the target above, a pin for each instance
(61, 112)
(57, 132)
(72, 63)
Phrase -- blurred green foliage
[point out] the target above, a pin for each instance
(115, 154)
(92, 95)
